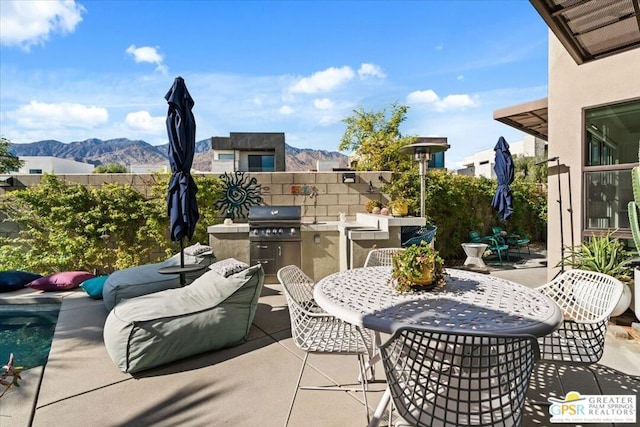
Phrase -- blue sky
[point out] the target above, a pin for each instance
(100, 69)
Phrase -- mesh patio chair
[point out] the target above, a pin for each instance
(315, 331)
(381, 257)
(451, 379)
(587, 299)
(516, 239)
(494, 243)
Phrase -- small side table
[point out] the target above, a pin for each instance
(176, 269)
(474, 253)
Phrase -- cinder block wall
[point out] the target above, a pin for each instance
(332, 196)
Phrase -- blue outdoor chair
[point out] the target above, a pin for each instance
(422, 234)
(494, 243)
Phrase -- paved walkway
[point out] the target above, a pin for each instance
(248, 385)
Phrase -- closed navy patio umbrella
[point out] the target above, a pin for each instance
(503, 199)
(182, 206)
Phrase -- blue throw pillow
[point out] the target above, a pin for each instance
(94, 286)
(16, 279)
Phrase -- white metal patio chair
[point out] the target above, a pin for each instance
(587, 299)
(458, 379)
(315, 331)
(381, 257)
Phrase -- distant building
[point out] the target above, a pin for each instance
(248, 152)
(328, 165)
(48, 164)
(481, 163)
(164, 168)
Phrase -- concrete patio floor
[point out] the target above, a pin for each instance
(248, 385)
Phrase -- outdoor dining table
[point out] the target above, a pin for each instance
(468, 301)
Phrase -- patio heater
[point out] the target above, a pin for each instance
(421, 151)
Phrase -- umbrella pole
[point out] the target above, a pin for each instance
(561, 214)
(182, 278)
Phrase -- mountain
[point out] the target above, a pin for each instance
(127, 152)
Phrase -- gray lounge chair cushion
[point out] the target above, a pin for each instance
(228, 266)
(145, 279)
(211, 313)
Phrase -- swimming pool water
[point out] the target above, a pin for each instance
(26, 330)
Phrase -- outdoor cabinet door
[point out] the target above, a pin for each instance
(288, 253)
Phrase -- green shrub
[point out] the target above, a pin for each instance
(458, 204)
(67, 226)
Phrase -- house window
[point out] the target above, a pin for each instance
(35, 171)
(261, 163)
(612, 138)
(226, 156)
(436, 160)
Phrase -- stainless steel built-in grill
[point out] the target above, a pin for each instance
(274, 236)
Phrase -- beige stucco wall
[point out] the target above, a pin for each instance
(320, 255)
(572, 88)
(278, 188)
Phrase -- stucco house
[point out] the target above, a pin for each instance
(591, 118)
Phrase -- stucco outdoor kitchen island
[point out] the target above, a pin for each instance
(326, 247)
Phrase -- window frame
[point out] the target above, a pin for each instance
(623, 233)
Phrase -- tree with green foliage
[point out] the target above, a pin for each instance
(65, 226)
(374, 137)
(529, 169)
(8, 161)
(110, 168)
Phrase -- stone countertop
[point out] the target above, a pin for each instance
(365, 227)
(239, 227)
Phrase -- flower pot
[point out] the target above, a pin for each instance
(426, 278)
(624, 302)
(635, 297)
(399, 208)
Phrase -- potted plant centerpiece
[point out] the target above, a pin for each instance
(417, 267)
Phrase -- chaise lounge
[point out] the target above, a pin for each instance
(211, 313)
(146, 279)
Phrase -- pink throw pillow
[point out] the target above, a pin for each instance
(61, 281)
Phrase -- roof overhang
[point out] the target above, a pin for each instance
(592, 29)
(531, 117)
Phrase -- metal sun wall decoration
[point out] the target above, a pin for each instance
(240, 193)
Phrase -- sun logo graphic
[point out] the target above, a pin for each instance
(569, 406)
(577, 408)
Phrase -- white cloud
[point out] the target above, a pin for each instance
(148, 54)
(323, 81)
(422, 97)
(439, 46)
(142, 121)
(323, 104)
(38, 115)
(370, 70)
(29, 23)
(448, 103)
(460, 77)
(285, 110)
